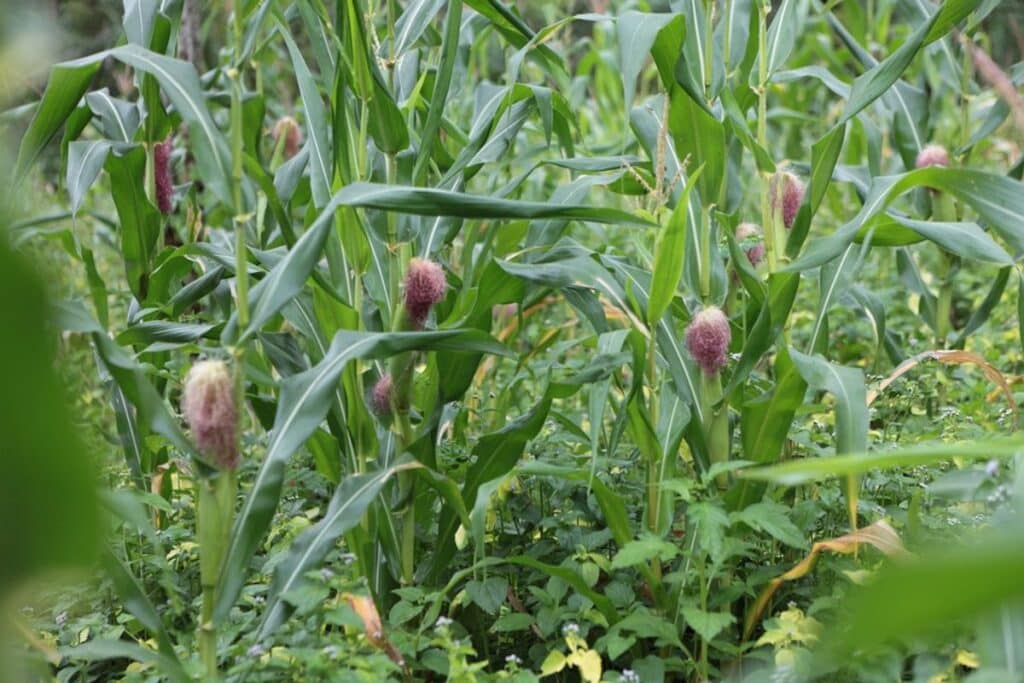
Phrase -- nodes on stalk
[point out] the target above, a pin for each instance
(707, 338)
(208, 404)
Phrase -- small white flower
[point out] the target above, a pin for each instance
(61, 619)
(513, 659)
(256, 650)
(571, 627)
(443, 622)
(331, 651)
(992, 468)
(629, 676)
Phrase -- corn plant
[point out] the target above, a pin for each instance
(398, 243)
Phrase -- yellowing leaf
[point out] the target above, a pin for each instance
(880, 535)
(366, 610)
(589, 664)
(967, 659)
(952, 357)
(553, 663)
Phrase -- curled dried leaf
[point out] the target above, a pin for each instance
(881, 535)
(373, 627)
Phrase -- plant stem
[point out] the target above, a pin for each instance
(943, 303)
(762, 132)
(727, 38)
(716, 423)
(705, 253)
(709, 41)
(217, 494)
(965, 80)
(945, 210)
(213, 525)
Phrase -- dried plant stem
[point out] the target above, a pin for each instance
(997, 78)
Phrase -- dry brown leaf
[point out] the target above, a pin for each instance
(880, 535)
(156, 487)
(997, 78)
(48, 652)
(365, 608)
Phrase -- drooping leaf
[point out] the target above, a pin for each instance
(302, 406)
(346, 509)
(804, 470)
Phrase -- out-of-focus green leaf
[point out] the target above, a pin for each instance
(951, 584)
(815, 469)
(48, 500)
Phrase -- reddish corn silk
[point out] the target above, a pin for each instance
(162, 176)
(380, 396)
(932, 155)
(751, 234)
(289, 128)
(425, 285)
(786, 193)
(707, 339)
(208, 403)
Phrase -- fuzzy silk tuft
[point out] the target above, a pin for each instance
(208, 403)
(425, 286)
(787, 194)
(707, 339)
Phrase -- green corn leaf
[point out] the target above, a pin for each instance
(806, 470)
(303, 404)
(998, 200)
(669, 251)
(346, 510)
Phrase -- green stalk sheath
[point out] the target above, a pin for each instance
(770, 247)
(709, 41)
(213, 527)
(727, 37)
(241, 255)
(705, 254)
(217, 494)
(852, 486)
(945, 210)
(716, 423)
(943, 305)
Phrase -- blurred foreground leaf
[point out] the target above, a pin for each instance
(949, 584)
(47, 492)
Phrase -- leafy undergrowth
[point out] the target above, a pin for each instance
(459, 341)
